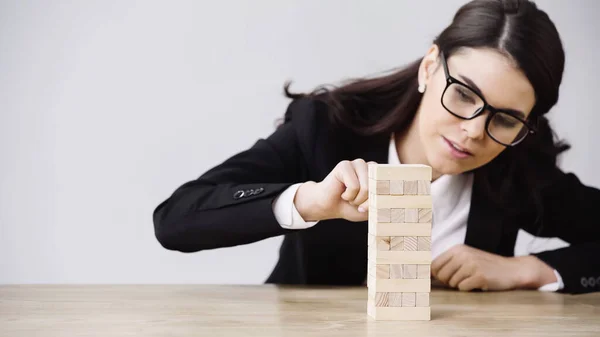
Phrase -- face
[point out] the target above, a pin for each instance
(453, 145)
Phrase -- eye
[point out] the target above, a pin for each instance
(464, 95)
(506, 120)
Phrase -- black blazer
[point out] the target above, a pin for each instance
(231, 204)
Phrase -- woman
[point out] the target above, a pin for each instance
(472, 108)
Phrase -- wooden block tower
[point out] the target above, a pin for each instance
(399, 244)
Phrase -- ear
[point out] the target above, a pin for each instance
(428, 65)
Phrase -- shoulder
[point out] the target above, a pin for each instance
(313, 120)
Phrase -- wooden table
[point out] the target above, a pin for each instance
(266, 310)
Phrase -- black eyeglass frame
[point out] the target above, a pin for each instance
(531, 130)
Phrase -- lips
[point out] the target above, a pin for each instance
(459, 148)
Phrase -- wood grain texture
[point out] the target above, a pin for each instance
(383, 242)
(383, 215)
(408, 299)
(425, 215)
(388, 299)
(382, 187)
(423, 187)
(399, 229)
(423, 271)
(411, 215)
(295, 311)
(397, 243)
(411, 187)
(410, 243)
(400, 172)
(409, 271)
(397, 215)
(396, 187)
(400, 201)
(399, 257)
(396, 271)
(399, 285)
(424, 243)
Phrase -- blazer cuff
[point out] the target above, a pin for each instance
(285, 211)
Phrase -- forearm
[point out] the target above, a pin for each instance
(197, 219)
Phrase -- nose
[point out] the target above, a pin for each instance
(475, 128)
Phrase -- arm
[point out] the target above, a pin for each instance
(569, 212)
(285, 210)
(232, 203)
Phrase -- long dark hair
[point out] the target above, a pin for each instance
(517, 28)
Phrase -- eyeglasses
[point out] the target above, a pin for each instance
(506, 127)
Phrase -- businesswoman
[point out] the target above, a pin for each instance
(473, 108)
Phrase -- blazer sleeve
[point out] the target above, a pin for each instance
(570, 213)
(231, 204)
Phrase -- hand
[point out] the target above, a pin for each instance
(468, 268)
(342, 194)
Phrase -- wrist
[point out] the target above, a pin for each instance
(305, 202)
(533, 272)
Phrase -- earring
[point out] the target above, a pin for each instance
(422, 88)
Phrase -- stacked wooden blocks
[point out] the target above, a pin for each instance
(399, 244)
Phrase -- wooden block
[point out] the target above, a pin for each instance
(383, 187)
(423, 187)
(379, 271)
(371, 307)
(425, 215)
(399, 285)
(399, 229)
(424, 243)
(411, 215)
(383, 215)
(410, 243)
(408, 299)
(381, 299)
(396, 271)
(397, 243)
(394, 299)
(409, 271)
(383, 243)
(410, 187)
(400, 201)
(396, 187)
(387, 299)
(397, 215)
(400, 172)
(424, 271)
(422, 300)
(382, 271)
(400, 313)
(401, 257)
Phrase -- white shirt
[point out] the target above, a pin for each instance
(451, 197)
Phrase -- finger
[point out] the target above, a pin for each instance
(362, 172)
(448, 270)
(472, 282)
(440, 261)
(364, 207)
(352, 213)
(463, 272)
(346, 175)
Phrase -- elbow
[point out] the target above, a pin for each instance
(171, 233)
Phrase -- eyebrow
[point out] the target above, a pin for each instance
(475, 88)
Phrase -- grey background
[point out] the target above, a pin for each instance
(107, 106)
